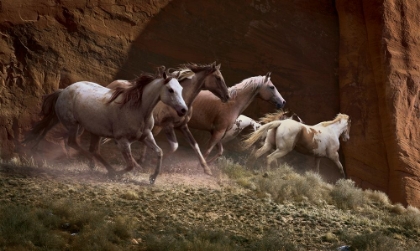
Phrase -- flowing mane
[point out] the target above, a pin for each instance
(269, 117)
(337, 118)
(134, 93)
(188, 70)
(253, 82)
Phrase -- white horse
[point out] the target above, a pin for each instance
(320, 140)
(243, 122)
(124, 114)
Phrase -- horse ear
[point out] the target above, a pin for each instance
(218, 67)
(267, 76)
(213, 64)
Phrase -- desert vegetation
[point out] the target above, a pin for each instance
(67, 206)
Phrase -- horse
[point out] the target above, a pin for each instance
(320, 140)
(124, 114)
(193, 78)
(243, 122)
(216, 117)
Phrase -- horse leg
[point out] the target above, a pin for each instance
(262, 150)
(274, 156)
(73, 143)
(190, 138)
(215, 138)
(149, 140)
(171, 137)
(143, 149)
(317, 160)
(95, 151)
(219, 153)
(125, 147)
(335, 157)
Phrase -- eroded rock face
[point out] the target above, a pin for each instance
(379, 87)
(354, 57)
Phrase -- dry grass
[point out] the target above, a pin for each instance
(281, 210)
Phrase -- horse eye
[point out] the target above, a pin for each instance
(171, 90)
(272, 87)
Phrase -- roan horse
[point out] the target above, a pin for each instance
(320, 140)
(211, 115)
(193, 78)
(124, 114)
(243, 122)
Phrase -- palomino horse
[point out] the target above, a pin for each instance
(243, 122)
(320, 140)
(193, 78)
(216, 117)
(124, 114)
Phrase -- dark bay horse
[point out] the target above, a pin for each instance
(216, 117)
(124, 114)
(320, 140)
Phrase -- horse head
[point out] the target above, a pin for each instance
(215, 83)
(269, 92)
(345, 135)
(171, 94)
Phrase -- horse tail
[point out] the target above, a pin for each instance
(48, 121)
(261, 132)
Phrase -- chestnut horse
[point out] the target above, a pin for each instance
(124, 114)
(193, 78)
(320, 140)
(211, 115)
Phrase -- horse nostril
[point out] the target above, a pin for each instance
(183, 110)
(284, 102)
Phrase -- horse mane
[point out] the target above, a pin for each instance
(188, 70)
(337, 118)
(253, 82)
(134, 93)
(269, 117)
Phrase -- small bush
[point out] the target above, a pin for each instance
(285, 184)
(375, 241)
(346, 195)
(193, 239)
(20, 227)
(409, 219)
(232, 169)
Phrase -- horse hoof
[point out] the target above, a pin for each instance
(208, 171)
(152, 179)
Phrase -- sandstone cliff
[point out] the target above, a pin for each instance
(355, 57)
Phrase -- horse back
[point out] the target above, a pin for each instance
(210, 113)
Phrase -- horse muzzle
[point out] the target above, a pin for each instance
(182, 111)
(280, 105)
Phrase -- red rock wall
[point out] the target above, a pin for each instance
(352, 56)
(379, 87)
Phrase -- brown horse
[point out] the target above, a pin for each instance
(320, 140)
(211, 115)
(124, 114)
(193, 78)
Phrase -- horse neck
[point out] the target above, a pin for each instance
(151, 96)
(338, 128)
(191, 87)
(245, 94)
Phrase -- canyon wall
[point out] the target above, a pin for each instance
(355, 57)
